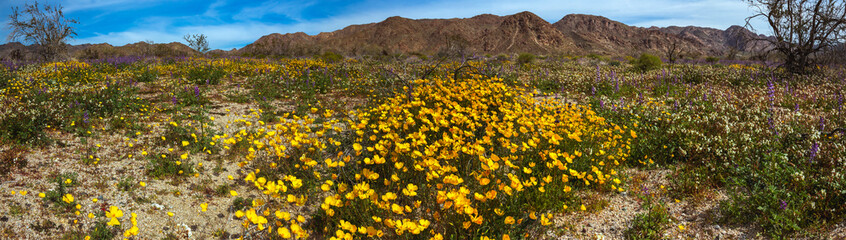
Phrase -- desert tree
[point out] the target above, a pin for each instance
(198, 42)
(673, 51)
(455, 46)
(801, 28)
(43, 25)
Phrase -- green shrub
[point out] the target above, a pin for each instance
(205, 74)
(146, 75)
(103, 231)
(525, 58)
(331, 57)
(24, 129)
(63, 186)
(168, 165)
(766, 194)
(502, 57)
(712, 59)
(649, 225)
(647, 62)
(614, 63)
(127, 184)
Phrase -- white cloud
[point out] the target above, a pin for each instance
(212, 10)
(109, 5)
(292, 10)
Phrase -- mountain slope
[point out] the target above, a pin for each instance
(482, 34)
(596, 34)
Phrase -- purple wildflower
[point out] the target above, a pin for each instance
(822, 124)
(813, 152)
(597, 73)
(772, 126)
(771, 93)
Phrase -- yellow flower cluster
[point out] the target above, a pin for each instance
(455, 154)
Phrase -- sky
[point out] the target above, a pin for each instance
(236, 23)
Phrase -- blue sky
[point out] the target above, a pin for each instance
(235, 23)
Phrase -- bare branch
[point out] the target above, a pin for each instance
(801, 28)
(46, 27)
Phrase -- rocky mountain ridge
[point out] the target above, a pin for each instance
(523, 32)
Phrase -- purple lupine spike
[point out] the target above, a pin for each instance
(782, 205)
(772, 126)
(822, 124)
(601, 103)
(196, 91)
(771, 92)
(173, 99)
(592, 90)
(616, 86)
(796, 108)
(813, 152)
(598, 75)
(85, 117)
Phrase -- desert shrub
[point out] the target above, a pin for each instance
(615, 63)
(712, 59)
(205, 74)
(188, 96)
(649, 225)
(107, 99)
(169, 165)
(11, 159)
(421, 56)
(64, 183)
(102, 231)
(146, 75)
(23, 128)
(6, 77)
(331, 57)
(196, 136)
(775, 206)
(647, 62)
(525, 58)
(502, 57)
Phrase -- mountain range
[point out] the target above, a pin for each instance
(523, 32)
